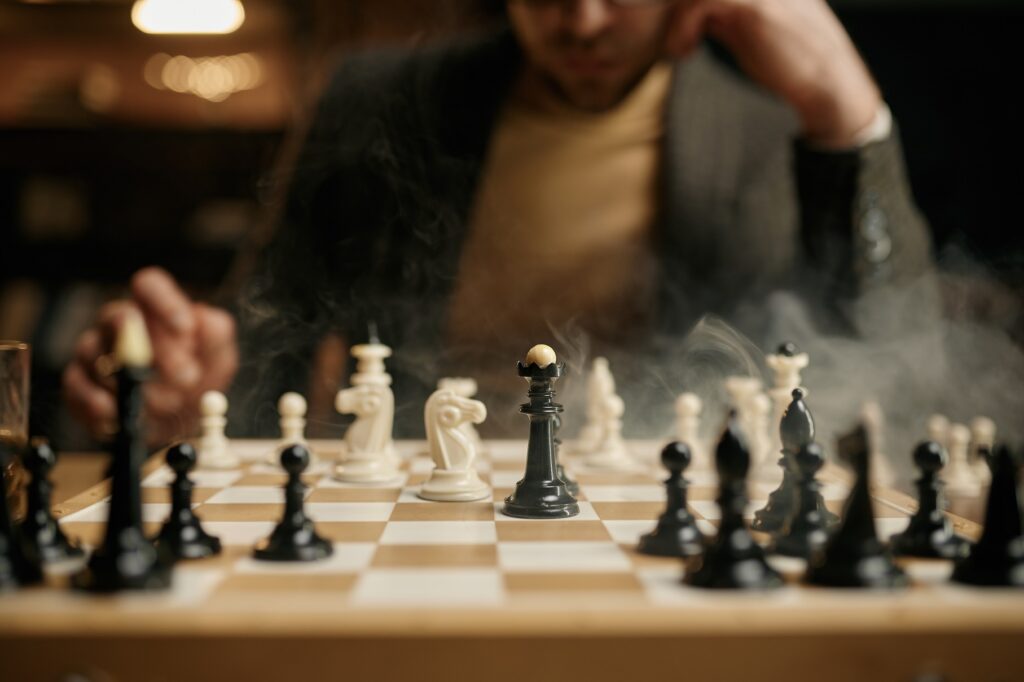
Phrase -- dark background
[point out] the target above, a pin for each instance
(94, 185)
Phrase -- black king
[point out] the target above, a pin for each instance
(542, 493)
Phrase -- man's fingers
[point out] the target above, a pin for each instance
(688, 25)
(694, 19)
(87, 400)
(217, 346)
(163, 302)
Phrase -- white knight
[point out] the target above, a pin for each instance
(454, 479)
(369, 452)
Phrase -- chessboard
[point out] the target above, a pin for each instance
(445, 590)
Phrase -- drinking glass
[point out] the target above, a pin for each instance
(15, 372)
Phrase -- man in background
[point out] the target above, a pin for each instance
(592, 175)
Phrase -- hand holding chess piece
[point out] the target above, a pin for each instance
(194, 347)
(453, 479)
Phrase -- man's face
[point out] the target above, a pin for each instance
(591, 51)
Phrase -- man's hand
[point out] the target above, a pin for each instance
(194, 349)
(794, 48)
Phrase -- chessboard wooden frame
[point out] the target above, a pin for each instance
(725, 637)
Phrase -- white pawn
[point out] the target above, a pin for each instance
(874, 420)
(453, 479)
(464, 387)
(753, 413)
(600, 384)
(213, 450)
(688, 409)
(938, 429)
(983, 438)
(960, 479)
(292, 410)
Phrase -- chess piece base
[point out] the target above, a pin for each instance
(188, 540)
(541, 500)
(988, 569)
(800, 545)
(221, 461)
(379, 468)
(136, 565)
(614, 459)
(294, 544)
(752, 573)
(48, 541)
(935, 542)
(445, 485)
(878, 572)
(672, 538)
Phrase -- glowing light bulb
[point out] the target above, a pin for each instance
(188, 16)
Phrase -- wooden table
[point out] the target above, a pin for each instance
(314, 627)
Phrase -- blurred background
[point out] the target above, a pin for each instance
(128, 138)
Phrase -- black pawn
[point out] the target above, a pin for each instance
(854, 556)
(182, 535)
(734, 560)
(676, 533)
(806, 532)
(997, 559)
(17, 567)
(295, 538)
(930, 533)
(40, 532)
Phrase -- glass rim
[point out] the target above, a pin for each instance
(13, 345)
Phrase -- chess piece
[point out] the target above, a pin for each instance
(17, 567)
(688, 409)
(961, 480)
(606, 449)
(734, 560)
(453, 479)
(464, 387)
(676, 533)
(600, 384)
(806, 531)
(997, 559)
(369, 359)
(786, 364)
(983, 438)
(796, 431)
(127, 559)
(182, 535)
(295, 537)
(214, 449)
(874, 421)
(368, 455)
(938, 429)
(40, 532)
(570, 483)
(930, 533)
(541, 494)
(746, 397)
(854, 556)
